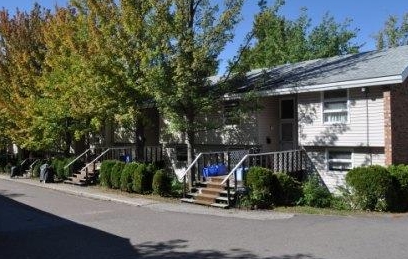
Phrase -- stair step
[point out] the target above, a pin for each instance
(217, 179)
(206, 197)
(200, 202)
(213, 191)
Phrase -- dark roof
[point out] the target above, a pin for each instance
(363, 69)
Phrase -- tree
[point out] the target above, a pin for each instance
(393, 35)
(279, 40)
(187, 40)
(22, 52)
(94, 52)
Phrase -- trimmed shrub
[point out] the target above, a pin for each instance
(288, 192)
(260, 182)
(162, 183)
(36, 168)
(127, 176)
(116, 174)
(372, 188)
(142, 179)
(105, 173)
(58, 165)
(400, 175)
(315, 194)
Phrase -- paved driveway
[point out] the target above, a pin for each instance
(38, 222)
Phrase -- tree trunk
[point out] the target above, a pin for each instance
(140, 139)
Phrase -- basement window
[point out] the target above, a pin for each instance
(335, 106)
(339, 160)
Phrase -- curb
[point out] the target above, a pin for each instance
(155, 205)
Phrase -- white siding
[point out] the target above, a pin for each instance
(313, 132)
(268, 124)
(333, 179)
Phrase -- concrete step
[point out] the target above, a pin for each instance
(205, 203)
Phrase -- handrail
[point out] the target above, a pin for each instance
(103, 153)
(191, 165)
(251, 155)
(35, 162)
(73, 161)
(235, 168)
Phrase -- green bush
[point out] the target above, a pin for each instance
(105, 172)
(177, 187)
(142, 179)
(288, 192)
(372, 188)
(127, 176)
(400, 175)
(116, 173)
(36, 168)
(162, 183)
(260, 182)
(315, 194)
(57, 165)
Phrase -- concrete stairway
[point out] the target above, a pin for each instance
(210, 193)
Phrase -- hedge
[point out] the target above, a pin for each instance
(116, 172)
(126, 177)
(162, 183)
(373, 188)
(105, 172)
(142, 179)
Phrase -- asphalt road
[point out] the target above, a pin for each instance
(43, 223)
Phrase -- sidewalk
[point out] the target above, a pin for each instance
(95, 193)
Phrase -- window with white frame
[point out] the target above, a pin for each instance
(335, 106)
(339, 160)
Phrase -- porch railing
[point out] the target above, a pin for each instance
(294, 162)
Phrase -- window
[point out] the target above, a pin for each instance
(335, 106)
(339, 160)
(231, 113)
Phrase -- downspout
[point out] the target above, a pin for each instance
(365, 91)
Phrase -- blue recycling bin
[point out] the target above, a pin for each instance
(214, 170)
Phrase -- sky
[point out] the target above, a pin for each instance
(367, 15)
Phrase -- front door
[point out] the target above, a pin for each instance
(287, 123)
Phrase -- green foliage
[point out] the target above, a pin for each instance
(142, 179)
(260, 182)
(176, 187)
(105, 172)
(126, 177)
(58, 166)
(116, 174)
(372, 187)
(288, 191)
(315, 194)
(393, 34)
(36, 168)
(400, 175)
(280, 40)
(162, 183)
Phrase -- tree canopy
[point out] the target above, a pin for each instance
(394, 33)
(279, 40)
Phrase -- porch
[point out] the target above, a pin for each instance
(221, 188)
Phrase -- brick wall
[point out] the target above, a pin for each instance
(396, 124)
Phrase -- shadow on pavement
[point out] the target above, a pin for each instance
(153, 250)
(29, 233)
